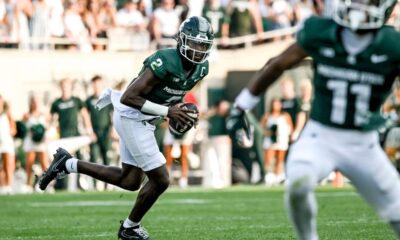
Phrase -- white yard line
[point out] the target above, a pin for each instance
(111, 203)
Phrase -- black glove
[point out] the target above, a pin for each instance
(239, 128)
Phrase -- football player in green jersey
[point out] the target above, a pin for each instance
(356, 59)
(165, 78)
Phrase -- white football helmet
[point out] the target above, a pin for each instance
(362, 14)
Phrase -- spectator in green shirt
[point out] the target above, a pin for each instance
(101, 122)
(66, 110)
(217, 15)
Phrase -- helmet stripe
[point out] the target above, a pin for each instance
(203, 24)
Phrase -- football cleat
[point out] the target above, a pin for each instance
(132, 233)
(56, 169)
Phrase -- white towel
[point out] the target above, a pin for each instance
(104, 99)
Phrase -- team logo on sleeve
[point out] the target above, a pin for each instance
(375, 58)
(327, 52)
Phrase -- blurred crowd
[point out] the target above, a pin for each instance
(75, 124)
(93, 24)
(71, 121)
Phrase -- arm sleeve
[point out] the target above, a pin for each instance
(53, 108)
(303, 36)
(79, 103)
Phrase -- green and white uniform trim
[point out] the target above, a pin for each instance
(349, 89)
(175, 82)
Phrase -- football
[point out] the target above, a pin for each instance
(179, 130)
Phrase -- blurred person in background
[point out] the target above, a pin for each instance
(18, 14)
(56, 23)
(268, 15)
(34, 144)
(101, 123)
(283, 13)
(290, 103)
(99, 17)
(164, 24)
(66, 110)
(185, 142)
(106, 18)
(130, 17)
(305, 108)
(3, 22)
(276, 14)
(157, 92)
(303, 9)
(356, 61)
(90, 20)
(216, 117)
(7, 152)
(75, 29)
(146, 7)
(40, 24)
(217, 15)
(392, 108)
(245, 18)
(182, 9)
(277, 126)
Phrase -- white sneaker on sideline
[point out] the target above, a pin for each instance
(270, 179)
(7, 190)
(26, 189)
(183, 182)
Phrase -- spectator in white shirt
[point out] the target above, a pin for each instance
(165, 23)
(130, 16)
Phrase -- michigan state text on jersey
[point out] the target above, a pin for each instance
(165, 78)
(349, 87)
(355, 62)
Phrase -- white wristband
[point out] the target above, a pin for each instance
(154, 108)
(246, 100)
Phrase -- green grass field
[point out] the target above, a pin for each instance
(244, 212)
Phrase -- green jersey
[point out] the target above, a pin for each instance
(240, 19)
(349, 89)
(68, 111)
(217, 17)
(166, 65)
(100, 119)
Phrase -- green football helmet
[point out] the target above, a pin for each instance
(195, 39)
(362, 14)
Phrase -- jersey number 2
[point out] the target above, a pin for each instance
(362, 94)
(156, 63)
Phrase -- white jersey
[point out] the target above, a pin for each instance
(282, 133)
(169, 21)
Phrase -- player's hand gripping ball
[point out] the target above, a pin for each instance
(178, 129)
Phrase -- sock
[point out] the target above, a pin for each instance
(128, 223)
(72, 165)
